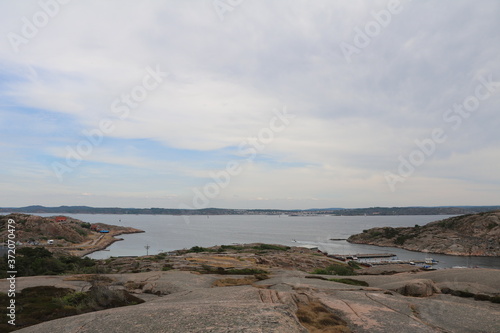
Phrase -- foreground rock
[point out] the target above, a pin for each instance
(187, 301)
(475, 234)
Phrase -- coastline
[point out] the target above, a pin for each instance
(104, 241)
(455, 254)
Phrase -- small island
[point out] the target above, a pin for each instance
(465, 235)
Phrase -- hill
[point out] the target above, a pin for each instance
(473, 234)
(444, 210)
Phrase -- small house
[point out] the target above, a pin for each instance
(61, 218)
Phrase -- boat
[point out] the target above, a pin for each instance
(430, 261)
(428, 268)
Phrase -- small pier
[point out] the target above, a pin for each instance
(345, 257)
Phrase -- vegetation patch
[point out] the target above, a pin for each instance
(263, 247)
(167, 267)
(351, 282)
(335, 270)
(199, 249)
(316, 318)
(44, 303)
(245, 271)
(40, 261)
(390, 232)
(260, 274)
(401, 239)
(89, 278)
(224, 248)
(229, 282)
(450, 223)
(491, 225)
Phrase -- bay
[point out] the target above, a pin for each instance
(168, 233)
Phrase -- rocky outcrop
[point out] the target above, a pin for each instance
(418, 288)
(475, 234)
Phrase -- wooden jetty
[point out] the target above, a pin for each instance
(362, 256)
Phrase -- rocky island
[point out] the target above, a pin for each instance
(465, 235)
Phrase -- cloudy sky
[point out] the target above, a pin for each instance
(249, 104)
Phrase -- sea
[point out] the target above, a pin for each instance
(165, 233)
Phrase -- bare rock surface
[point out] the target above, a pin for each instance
(229, 309)
(187, 301)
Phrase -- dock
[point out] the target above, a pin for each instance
(362, 256)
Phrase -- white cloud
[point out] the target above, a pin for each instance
(225, 78)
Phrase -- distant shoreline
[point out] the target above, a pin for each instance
(371, 211)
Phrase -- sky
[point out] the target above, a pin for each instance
(285, 104)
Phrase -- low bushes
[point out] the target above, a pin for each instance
(351, 282)
(40, 261)
(44, 303)
(335, 270)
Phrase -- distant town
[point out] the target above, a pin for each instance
(372, 211)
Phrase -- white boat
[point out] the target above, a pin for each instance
(430, 261)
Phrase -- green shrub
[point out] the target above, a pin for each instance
(400, 240)
(231, 247)
(335, 270)
(159, 256)
(74, 298)
(354, 264)
(40, 261)
(491, 225)
(199, 249)
(351, 282)
(390, 232)
(245, 271)
(271, 247)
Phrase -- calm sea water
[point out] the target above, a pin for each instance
(166, 233)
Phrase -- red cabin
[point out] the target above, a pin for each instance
(61, 218)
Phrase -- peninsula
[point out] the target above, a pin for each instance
(63, 235)
(474, 234)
